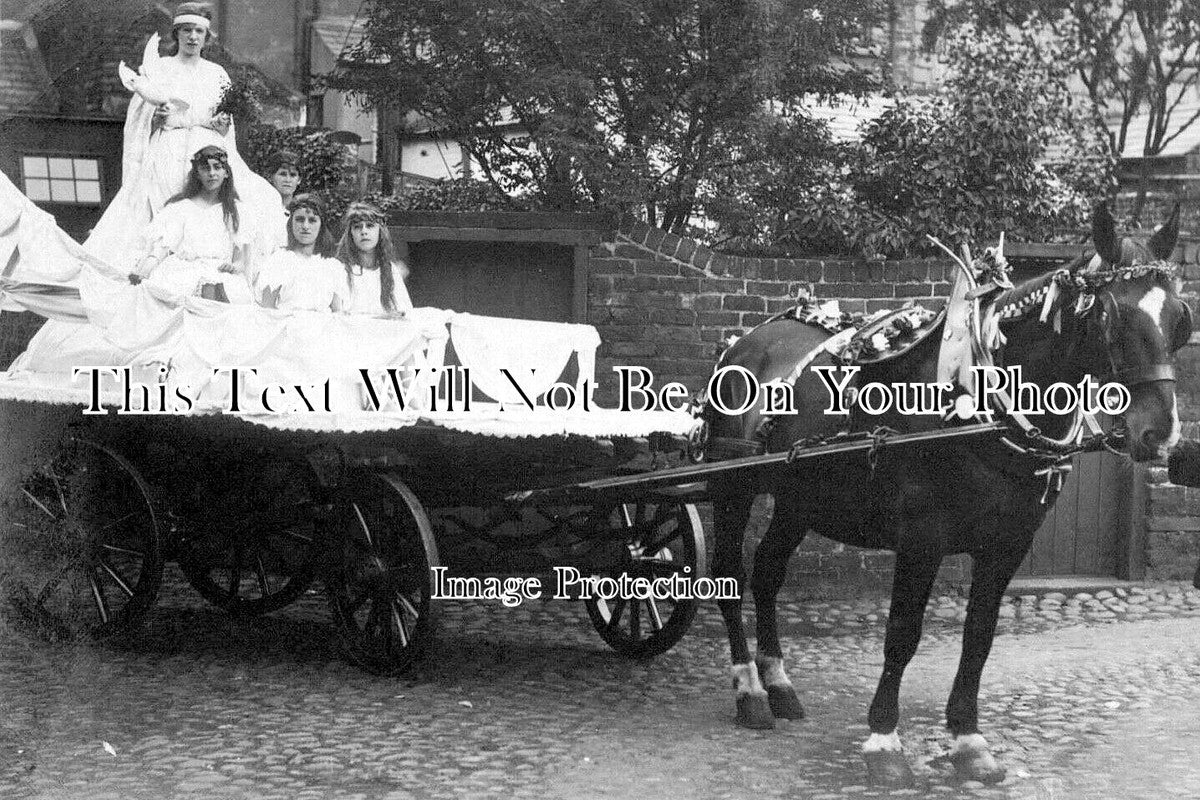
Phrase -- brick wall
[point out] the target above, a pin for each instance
(670, 304)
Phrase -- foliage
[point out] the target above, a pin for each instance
(242, 98)
(616, 104)
(1133, 56)
(963, 165)
(325, 165)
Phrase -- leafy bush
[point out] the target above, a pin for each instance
(325, 165)
(963, 165)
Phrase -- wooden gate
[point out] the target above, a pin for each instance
(501, 264)
(1087, 531)
(522, 280)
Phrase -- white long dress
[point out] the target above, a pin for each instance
(304, 283)
(189, 242)
(157, 158)
(366, 291)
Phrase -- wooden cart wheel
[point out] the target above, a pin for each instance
(380, 586)
(662, 540)
(85, 526)
(258, 554)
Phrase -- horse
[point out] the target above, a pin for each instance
(1116, 314)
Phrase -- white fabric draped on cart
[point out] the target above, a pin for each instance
(534, 352)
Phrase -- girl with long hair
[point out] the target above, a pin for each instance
(374, 275)
(196, 246)
(303, 277)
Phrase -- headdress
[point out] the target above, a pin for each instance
(310, 201)
(193, 13)
(362, 212)
(204, 154)
(208, 152)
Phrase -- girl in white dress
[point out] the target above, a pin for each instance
(171, 115)
(302, 277)
(374, 275)
(197, 243)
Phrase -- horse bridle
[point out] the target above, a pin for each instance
(1130, 377)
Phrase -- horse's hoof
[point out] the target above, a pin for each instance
(785, 704)
(977, 765)
(754, 712)
(890, 769)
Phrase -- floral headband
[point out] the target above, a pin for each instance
(309, 201)
(362, 212)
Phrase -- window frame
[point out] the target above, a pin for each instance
(72, 156)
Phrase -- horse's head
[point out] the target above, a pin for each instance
(1136, 321)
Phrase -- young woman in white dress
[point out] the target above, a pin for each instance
(173, 114)
(374, 275)
(303, 277)
(197, 245)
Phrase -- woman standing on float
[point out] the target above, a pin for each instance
(171, 116)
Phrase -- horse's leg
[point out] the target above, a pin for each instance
(989, 578)
(770, 568)
(911, 584)
(730, 515)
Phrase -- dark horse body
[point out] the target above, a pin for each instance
(929, 501)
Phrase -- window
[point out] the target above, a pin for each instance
(62, 179)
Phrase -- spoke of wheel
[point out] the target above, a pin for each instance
(635, 621)
(38, 503)
(117, 579)
(408, 606)
(263, 584)
(126, 550)
(235, 571)
(399, 620)
(300, 537)
(98, 596)
(362, 523)
(626, 516)
(116, 521)
(615, 620)
(62, 497)
(655, 616)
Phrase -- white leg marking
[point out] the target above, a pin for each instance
(745, 679)
(1152, 303)
(882, 743)
(771, 669)
(1176, 429)
(972, 741)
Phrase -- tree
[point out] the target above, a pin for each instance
(965, 164)
(1132, 56)
(623, 104)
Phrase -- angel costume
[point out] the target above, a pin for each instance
(157, 156)
(189, 242)
(366, 292)
(304, 283)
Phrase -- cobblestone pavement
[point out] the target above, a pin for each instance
(1084, 697)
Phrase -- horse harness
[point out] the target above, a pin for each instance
(888, 335)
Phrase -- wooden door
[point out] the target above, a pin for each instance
(520, 280)
(1084, 533)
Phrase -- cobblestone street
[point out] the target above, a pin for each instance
(1084, 697)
